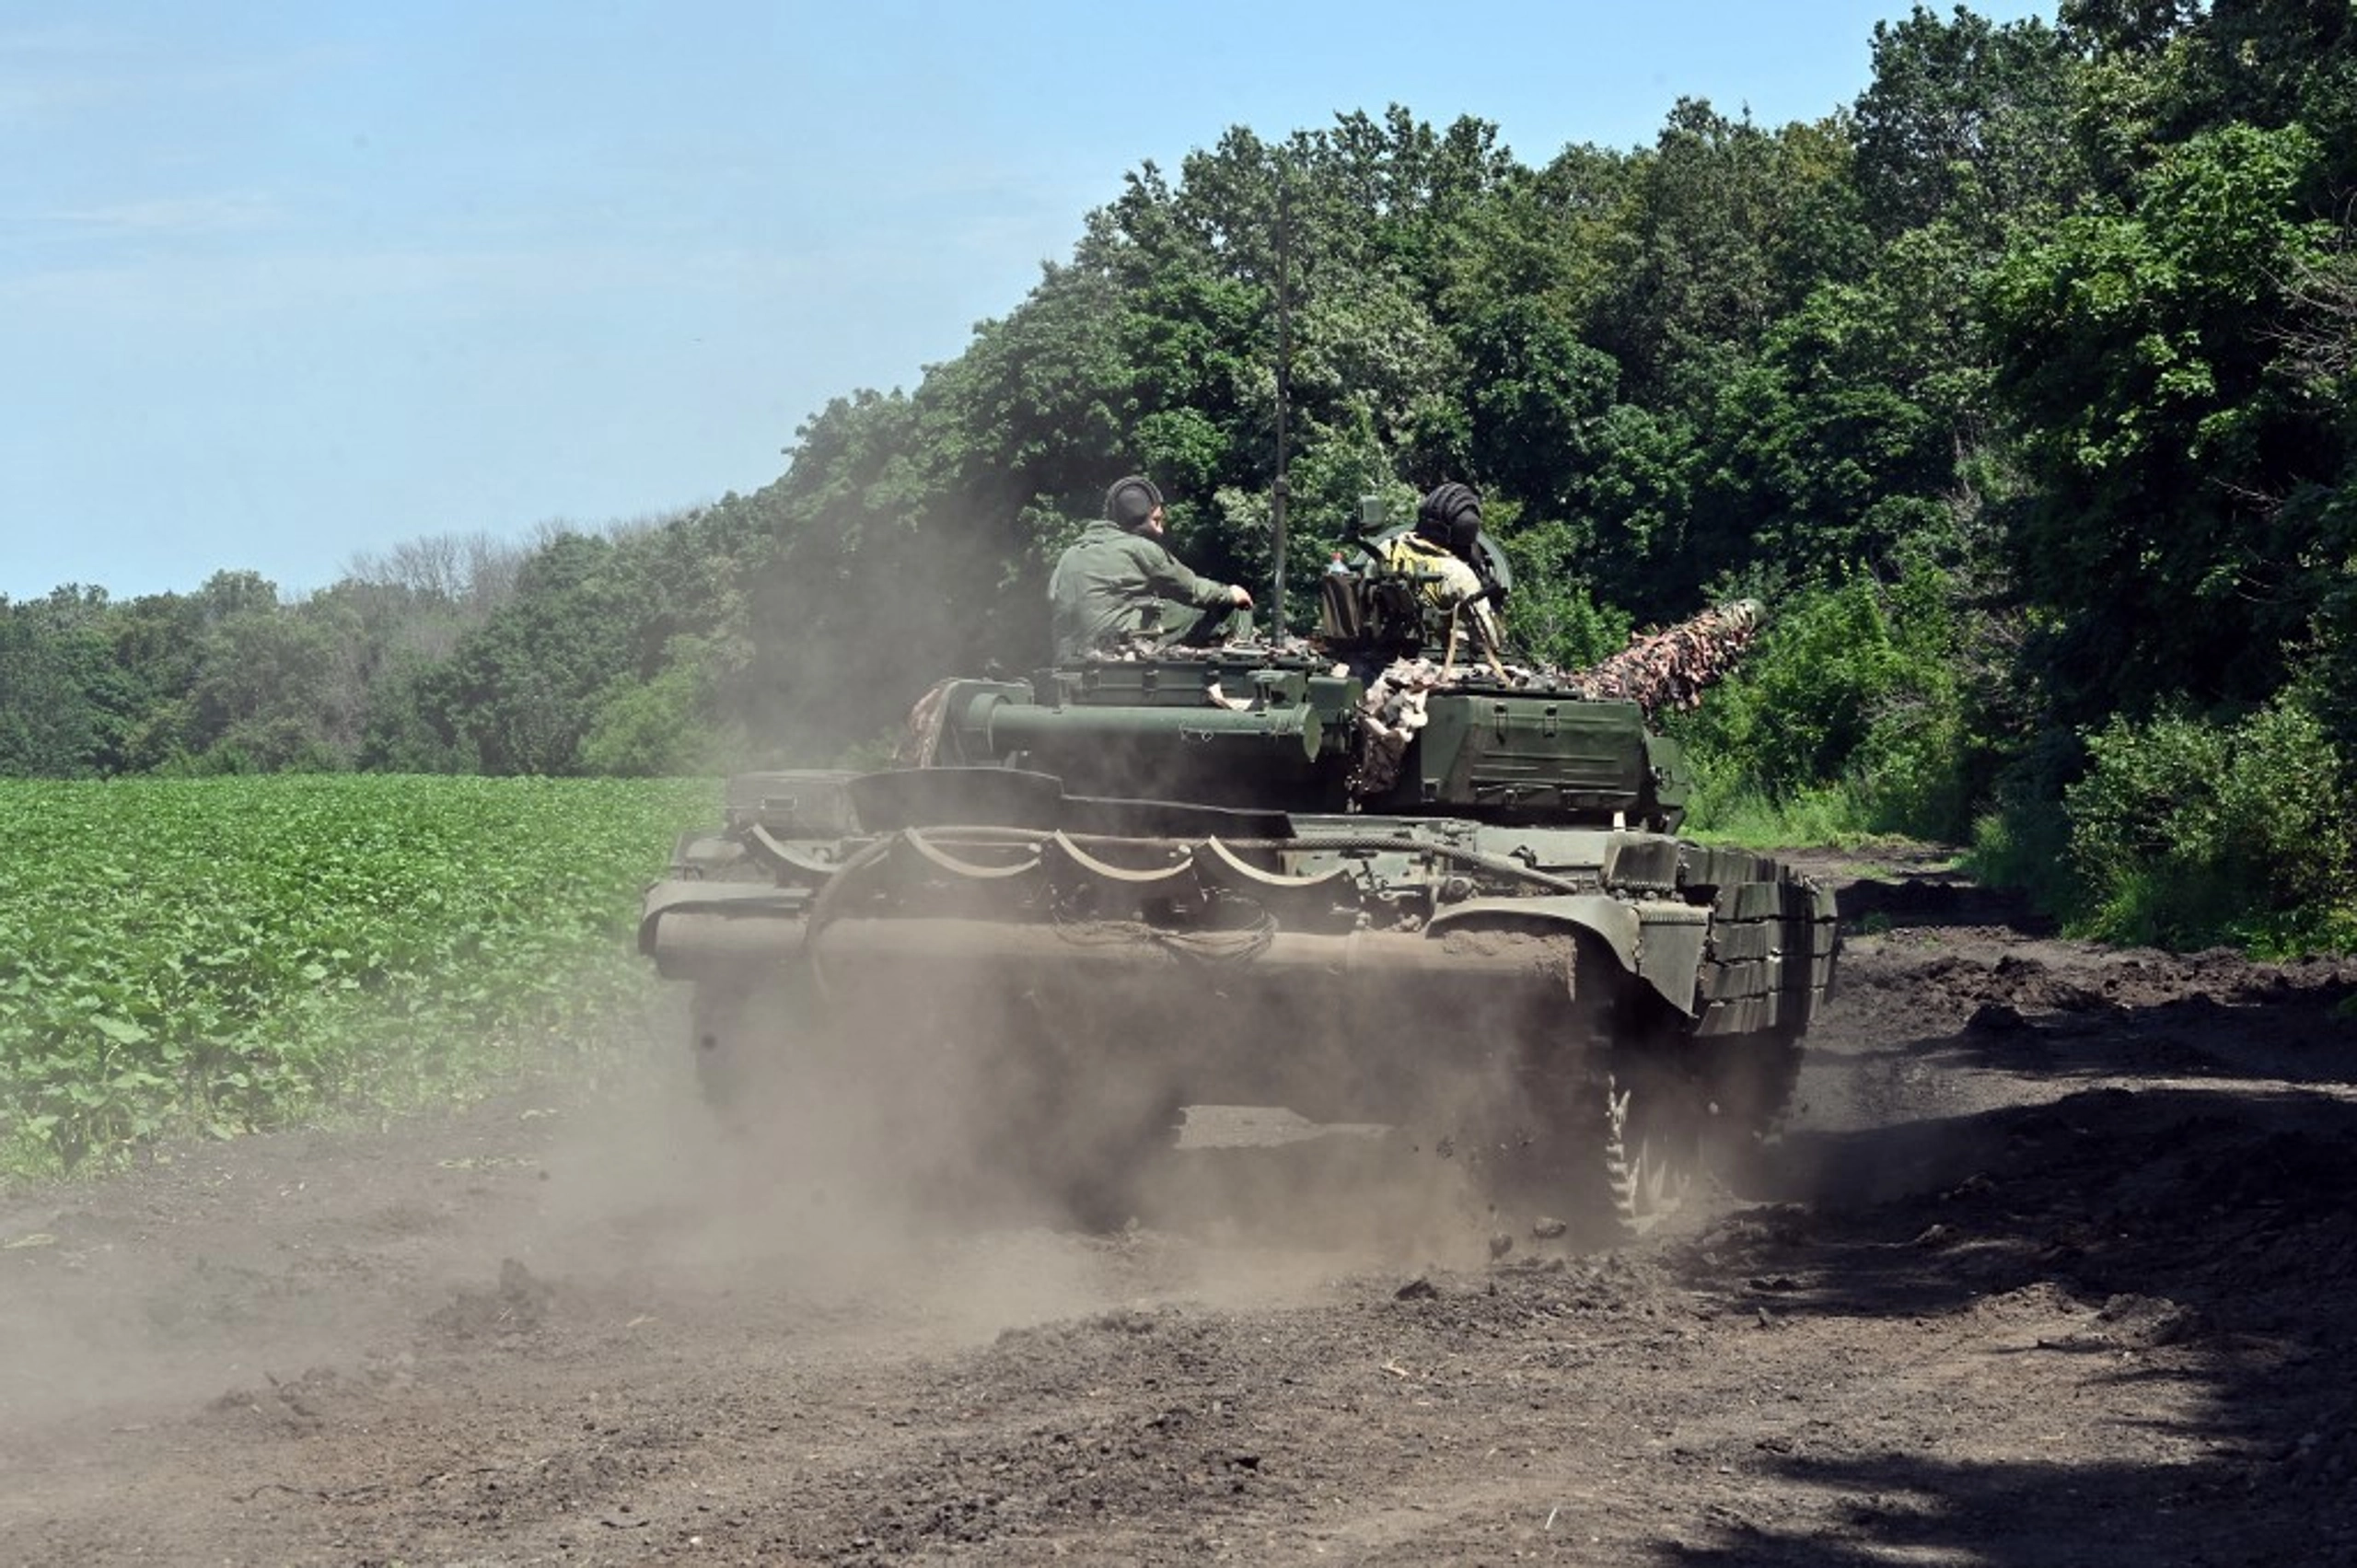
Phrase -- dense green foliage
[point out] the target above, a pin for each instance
(2183, 832)
(1850, 712)
(2021, 388)
(225, 953)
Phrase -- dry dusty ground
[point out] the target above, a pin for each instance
(2054, 1266)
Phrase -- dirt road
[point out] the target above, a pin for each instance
(2058, 1264)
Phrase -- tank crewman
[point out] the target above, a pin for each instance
(1445, 551)
(1118, 581)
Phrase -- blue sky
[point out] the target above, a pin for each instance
(279, 284)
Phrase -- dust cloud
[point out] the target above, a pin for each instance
(947, 1161)
(962, 1154)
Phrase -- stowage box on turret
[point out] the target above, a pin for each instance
(1379, 875)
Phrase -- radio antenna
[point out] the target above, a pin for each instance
(1280, 491)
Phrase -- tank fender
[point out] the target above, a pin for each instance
(688, 927)
(1660, 942)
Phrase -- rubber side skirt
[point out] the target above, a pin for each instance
(1363, 1026)
(1486, 957)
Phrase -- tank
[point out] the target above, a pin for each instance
(1379, 876)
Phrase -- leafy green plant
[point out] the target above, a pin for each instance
(1845, 720)
(2186, 832)
(229, 953)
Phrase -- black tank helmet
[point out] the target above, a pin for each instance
(1131, 502)
(1451, 517)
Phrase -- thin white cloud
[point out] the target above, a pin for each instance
(25, 97)
(167, 217)
(49, 74)
(189, 290)
(59, 38)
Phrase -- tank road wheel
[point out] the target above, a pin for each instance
(1750, 1081)
(1088, 1123)
(1600, 1161)
(1100, 1157)
(1651, 1150)
(743, 1036)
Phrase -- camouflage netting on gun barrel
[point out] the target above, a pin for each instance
(1661, 670)
(1670, 669)
(920, 740)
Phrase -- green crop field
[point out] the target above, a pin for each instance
(229, 954)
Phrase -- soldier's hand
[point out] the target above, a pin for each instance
(1243, 596)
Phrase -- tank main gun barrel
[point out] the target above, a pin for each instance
(1670, 669)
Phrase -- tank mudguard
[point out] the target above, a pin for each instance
(690, 927)
(1659, 943)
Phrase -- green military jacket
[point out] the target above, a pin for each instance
(1112, 585)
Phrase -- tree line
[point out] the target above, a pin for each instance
(2019, 388)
